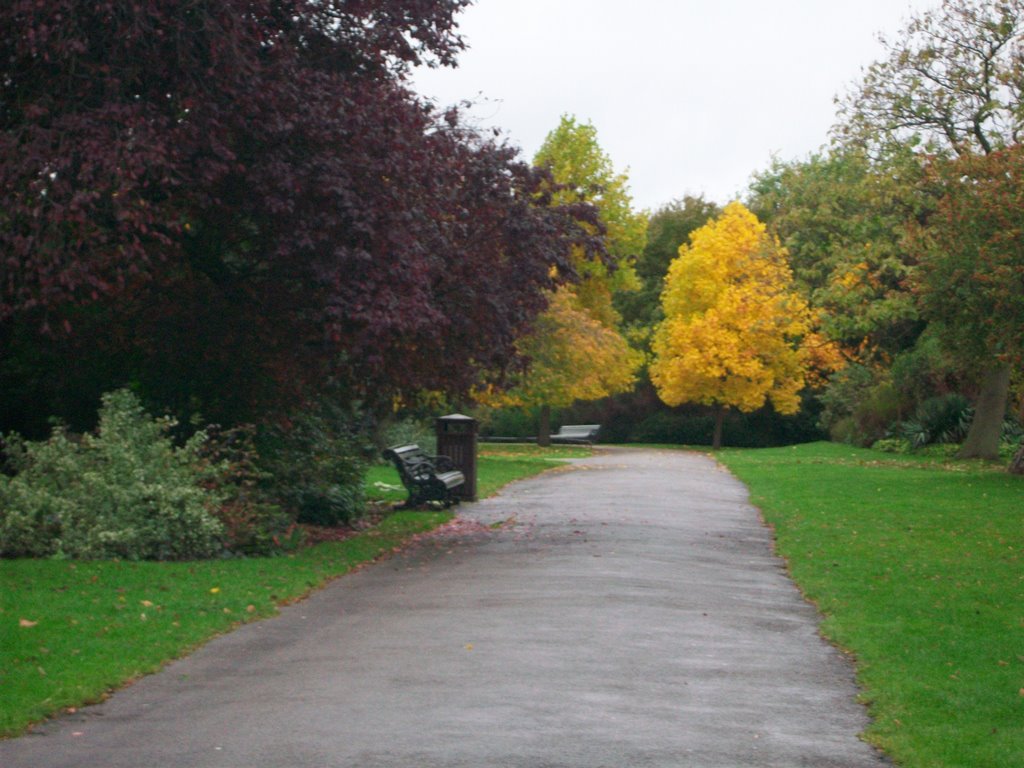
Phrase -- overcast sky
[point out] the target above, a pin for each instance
(689, 96)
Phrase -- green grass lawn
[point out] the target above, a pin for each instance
(916, 564)
(72, 631)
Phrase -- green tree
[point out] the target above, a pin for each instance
(583, 172)
(841, 216)
(970, 279)
(951, 85)
(669, 227)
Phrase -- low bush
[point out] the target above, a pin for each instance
(695, 425)
(123, 492)
(943, 419)
(675, 428)
(1013, 432)
(844, 430)
(876, 413)
(846, 389)
(315, 464)
(892, 445)
(510, 422)
(409, 430)
(925, 371)
(252, 525)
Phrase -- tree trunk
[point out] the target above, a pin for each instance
(983, 437)
(716, 442)
(1017, 465)
(544, 428)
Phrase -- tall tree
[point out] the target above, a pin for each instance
(952, 85)
(735, 333)
(971, 273)
(230, 204)
(951, 80)
(583, 172)
(575, 350)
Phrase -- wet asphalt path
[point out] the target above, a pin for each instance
(628, 613)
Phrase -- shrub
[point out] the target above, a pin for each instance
(891, 445)
(675, 428)
(1013, 432)
(924, 371)
(943, 419)
(844, 431)
(510, 422)
(124, 492)
(315, 465)
(409, 430)
(846, 389)
(875, 414)
(252, 526)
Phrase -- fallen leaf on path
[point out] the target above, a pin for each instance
(26, 623)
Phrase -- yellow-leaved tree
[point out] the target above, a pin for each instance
(735, 334)
(572, 356)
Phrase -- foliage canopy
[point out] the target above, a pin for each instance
(573, 356)
(952, 86)
(734, 328)
(970, 273)
(575, 350)
(842, 218)
(229, 204)
(951, 80)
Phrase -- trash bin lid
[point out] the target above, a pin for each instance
(456, 417)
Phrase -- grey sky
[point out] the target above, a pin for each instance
(691, 96)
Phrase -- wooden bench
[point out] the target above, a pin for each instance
(581, 434)
(427, 478)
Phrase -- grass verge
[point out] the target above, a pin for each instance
(917, 567)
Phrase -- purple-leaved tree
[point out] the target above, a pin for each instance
(232, 203)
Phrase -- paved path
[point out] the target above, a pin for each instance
(631, 615)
